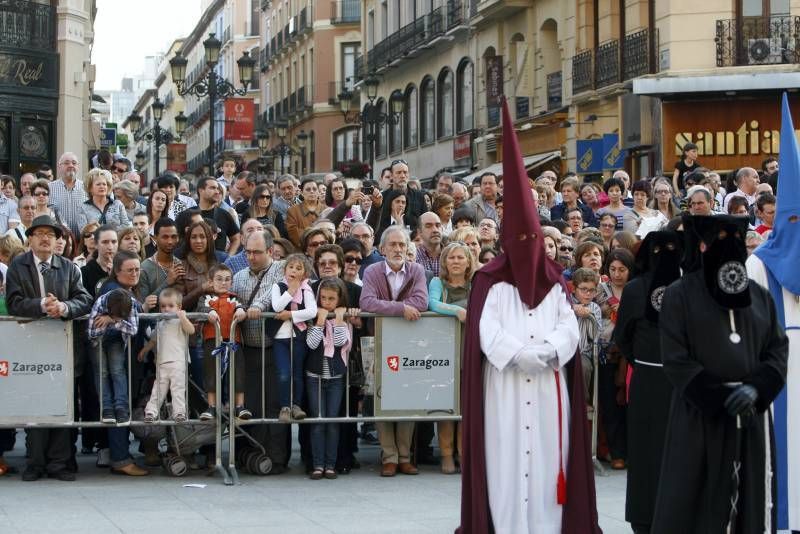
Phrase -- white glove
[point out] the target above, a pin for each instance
(535, 359)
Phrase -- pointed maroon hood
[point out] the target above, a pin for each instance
(533, 273)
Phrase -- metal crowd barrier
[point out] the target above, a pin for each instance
(454, 414)
(228, 421)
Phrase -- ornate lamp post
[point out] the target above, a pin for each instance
(156, 134)
(212, 84)
(371, 116)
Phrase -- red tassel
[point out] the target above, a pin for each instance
(561, 488)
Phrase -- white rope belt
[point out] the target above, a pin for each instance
(650, 364)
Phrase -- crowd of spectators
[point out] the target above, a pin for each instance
(314, 252)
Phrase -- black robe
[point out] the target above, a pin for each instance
(695, 485)
(638, 338)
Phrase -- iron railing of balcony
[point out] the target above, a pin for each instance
(638, 49)
(554, 85)
(582, 79)
(758, 41)
(263, 59)
(304, 22)
(359, 68)
(26, 24)
(473, 8)
(305, 98)
(279, 41)
(226, 35)
(606, 64)
(457, 13)
(335, 88)
(345, 11)
(286, 35)
(293, 103)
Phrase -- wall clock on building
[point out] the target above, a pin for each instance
(33, 143)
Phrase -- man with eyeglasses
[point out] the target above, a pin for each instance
(487, 232)
(42, 284)
(67, 193)
(364, 233)
(415, 199)
(253, 286)
(238, 262)
(27, 210)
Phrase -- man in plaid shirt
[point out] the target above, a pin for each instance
(430, 230)
(253, 286)
(67, 193)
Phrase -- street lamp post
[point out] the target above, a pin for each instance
(156, 134)
(212, 84)
(282, 150)
(371, 116)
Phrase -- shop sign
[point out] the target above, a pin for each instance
(494, 81)
(108, 137)
(176, 157)
(589, 156)
(728, 133)
(462, 147)
(239, 119)
(613, 155)
(27, 71)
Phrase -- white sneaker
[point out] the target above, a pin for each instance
(103, 458)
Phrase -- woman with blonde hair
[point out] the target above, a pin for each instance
(131, 240)
(664, 199)
(10, 248)
(100, 207)
(551, 241)
(468, 236)
(448, 294)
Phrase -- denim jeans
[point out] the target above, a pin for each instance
(112, 375)
(324, 401)
(119, 445)
(290, 373)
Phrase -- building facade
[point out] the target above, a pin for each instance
(46, 79)
(308, 56)
(236, 23)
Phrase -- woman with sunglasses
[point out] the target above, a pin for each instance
(87, 244)
(40, 191)
(261, 209)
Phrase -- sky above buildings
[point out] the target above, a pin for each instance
(126, 32)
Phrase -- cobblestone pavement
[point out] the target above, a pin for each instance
(361, 502)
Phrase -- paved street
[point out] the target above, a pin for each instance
(291, 503)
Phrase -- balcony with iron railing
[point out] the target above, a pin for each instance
(28, 25)
(226, 35)
(335, 88)
(345, 11)
(606, 64)
(554, 91)
(304, 21)
(639, 50)
(758, 41)
(417, 34)
(582, 72)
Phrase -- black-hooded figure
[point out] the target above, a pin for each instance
(725, 354)
(638, 339)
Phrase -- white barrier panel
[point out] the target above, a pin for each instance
(36, 372)
(417, 366)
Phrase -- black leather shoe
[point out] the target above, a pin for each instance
(63, 475)
(31, 474)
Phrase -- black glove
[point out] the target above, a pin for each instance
(742, 399)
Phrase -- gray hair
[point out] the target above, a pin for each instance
(127, 187)
(284, 178)
(745, 171)
(698, 189)
(267, 236)
(392, 229)
(359, 225)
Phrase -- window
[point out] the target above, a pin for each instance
(395, 129)
(464, 96)
(763, 8)
(345, 145)
(349, 53)
(410, 118)
(380, 132)
(444, 119)
(426, 112)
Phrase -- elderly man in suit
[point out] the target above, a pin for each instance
(395, 287)
(42, 284)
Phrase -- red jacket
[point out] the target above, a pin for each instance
(225, 305)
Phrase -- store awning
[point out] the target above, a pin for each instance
(528, 161)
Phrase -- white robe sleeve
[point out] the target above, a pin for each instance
(499, 345)
(756, 271)
(564, 337)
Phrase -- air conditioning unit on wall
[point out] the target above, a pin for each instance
(764, 51)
